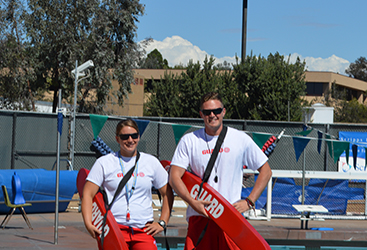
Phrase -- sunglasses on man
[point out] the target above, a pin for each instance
(126, 136)
(209, 111)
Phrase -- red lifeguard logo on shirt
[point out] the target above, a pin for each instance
(207, 151)
(141, 174)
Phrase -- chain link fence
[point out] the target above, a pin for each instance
(28, 140)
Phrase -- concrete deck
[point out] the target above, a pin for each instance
(73, 235)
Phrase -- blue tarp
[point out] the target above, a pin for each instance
(38, 185)
(332, 194)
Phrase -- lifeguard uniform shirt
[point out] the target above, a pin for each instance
(107, 172)
(237, 150)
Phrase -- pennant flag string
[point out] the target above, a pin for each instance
(335, 146)
(305, 132)
(331, 136)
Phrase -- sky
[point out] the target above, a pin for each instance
(327, 34)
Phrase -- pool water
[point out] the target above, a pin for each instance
(181, 247)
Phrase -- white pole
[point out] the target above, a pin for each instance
(57, 173)
(269, 199)
(72, 144)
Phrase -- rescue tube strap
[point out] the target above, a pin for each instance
(208, 171)
(213, 157)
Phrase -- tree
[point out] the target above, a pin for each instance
(358, 69)
(346, 109)
(154, 60)
(179, 66)
(179, 96)
(350, 112)
(266, 86)
(16, 79)
(223, 66)
(197, 81)
(61, 32)
(259, 88)
(163, 97)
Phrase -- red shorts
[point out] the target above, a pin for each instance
(214, 237)
(137, 239)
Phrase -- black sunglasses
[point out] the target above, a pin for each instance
(126, 136)
(209, 111)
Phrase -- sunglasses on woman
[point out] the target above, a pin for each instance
(126, 136)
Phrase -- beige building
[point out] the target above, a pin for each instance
(133, 105)
(318, 83)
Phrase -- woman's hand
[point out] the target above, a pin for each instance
(153, 228)
(89, 191)
(93, 231)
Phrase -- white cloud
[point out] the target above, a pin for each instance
(179, 51)
(333, 63)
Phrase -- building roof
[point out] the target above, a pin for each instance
(330, 77)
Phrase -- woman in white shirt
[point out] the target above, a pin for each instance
(132, 208)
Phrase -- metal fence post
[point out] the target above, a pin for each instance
(13, 140)
(159, 137)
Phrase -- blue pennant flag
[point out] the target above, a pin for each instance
(299, 144)
(142, 125)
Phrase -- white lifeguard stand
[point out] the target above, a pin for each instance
(318, 113)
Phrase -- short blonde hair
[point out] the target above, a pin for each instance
(210, 96)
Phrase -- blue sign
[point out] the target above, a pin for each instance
(357, 151)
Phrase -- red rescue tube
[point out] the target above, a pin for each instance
(113, 238)
(224, 214)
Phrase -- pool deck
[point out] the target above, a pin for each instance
(71, 233)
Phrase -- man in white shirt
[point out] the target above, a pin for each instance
(237, 150)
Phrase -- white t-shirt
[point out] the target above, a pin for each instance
(237, 150)
(107, 172)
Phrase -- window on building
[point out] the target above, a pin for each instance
(341, 92)
(314, 88)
